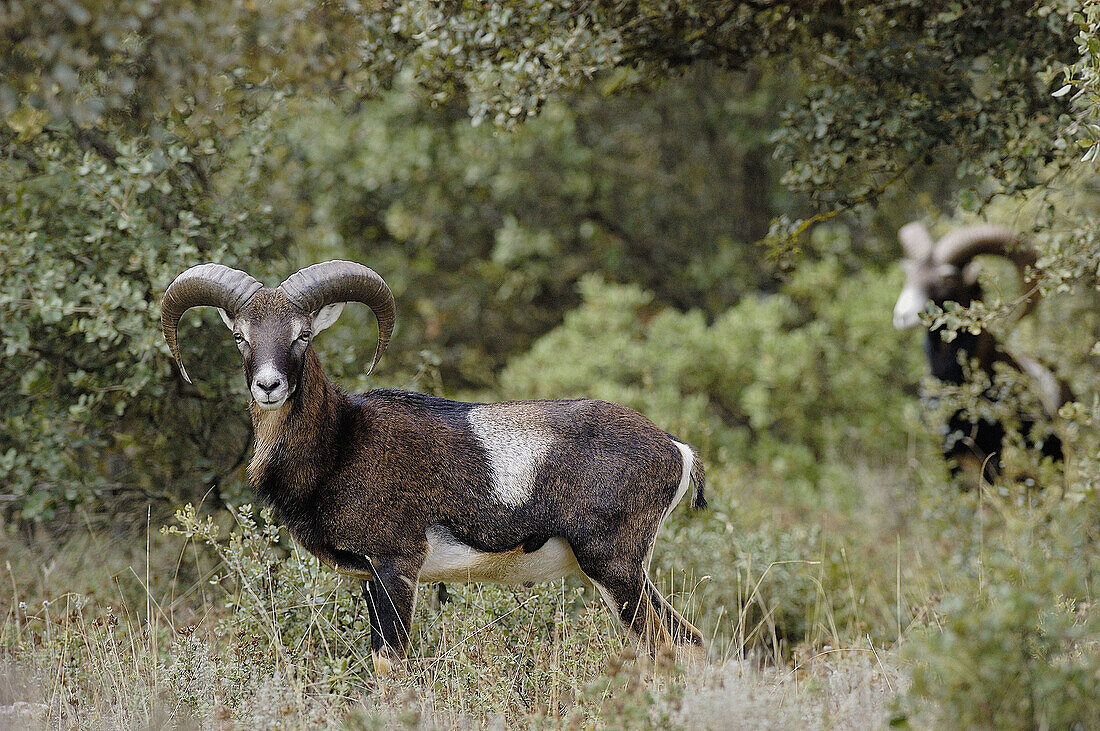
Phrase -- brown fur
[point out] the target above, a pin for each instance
(360, 479)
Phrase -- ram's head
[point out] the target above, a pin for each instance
(945, 271)
(273, 326)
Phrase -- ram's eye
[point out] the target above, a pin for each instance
(238, 337)
(305, 336)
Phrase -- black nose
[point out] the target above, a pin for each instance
(269, 386)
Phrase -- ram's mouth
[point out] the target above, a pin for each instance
(270, 405)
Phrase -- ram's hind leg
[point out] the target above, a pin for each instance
(686, 639)
(644, 613)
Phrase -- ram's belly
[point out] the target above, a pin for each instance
(451, 560)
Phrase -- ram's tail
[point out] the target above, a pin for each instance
(693, 474)
(699, 479)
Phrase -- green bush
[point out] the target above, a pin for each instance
(1014, 642)
(94, 414)
(791, 382)
(790, 397)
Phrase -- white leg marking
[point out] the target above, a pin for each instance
(383, 666)
(609, 600)
(516, 447)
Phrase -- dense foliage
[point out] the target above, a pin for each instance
(486, 235)
(255, 140)
(773, 382)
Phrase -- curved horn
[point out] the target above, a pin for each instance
(962, 245)
(916, 241)
(211, 285)
(344, 281)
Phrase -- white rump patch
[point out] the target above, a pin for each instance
(685, 479)
(688, 459)
(516, 448)
(1050, 388)
(451, 560)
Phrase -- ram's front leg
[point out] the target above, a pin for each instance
(390, 595)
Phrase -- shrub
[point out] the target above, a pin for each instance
(87, 246)
(789, 382)
(1014, 644)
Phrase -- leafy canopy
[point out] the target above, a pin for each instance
(142, 137)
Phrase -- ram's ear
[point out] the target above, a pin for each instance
(226, 318)
(326, 316)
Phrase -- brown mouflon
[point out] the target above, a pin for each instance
(396, 488)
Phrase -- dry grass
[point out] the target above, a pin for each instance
(846, 688)
(121, 688)
(223, 625)
(220, 631)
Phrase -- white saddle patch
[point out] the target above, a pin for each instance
(450, 560)
(516, 444)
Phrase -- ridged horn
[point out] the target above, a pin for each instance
(963, 244)
(211, 285)
(344, 281)
(916, 241)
